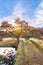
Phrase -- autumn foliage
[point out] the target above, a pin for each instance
(21, 30)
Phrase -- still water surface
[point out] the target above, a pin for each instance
(7, 55)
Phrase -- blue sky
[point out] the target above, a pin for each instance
(30, 10)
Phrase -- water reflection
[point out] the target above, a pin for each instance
(7, 55)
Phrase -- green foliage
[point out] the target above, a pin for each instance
(28, 35)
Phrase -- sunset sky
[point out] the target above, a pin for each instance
(29, 10)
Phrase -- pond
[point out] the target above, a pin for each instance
(7, 55)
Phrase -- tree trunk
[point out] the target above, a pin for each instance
(18, 40)
(17, 43)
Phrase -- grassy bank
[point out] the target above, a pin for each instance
(23, 55)
(6, 42)
(38, 43)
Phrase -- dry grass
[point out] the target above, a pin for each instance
(19, 54)
(38, 43)
(28, 54)
(7, 42)
(23, 56)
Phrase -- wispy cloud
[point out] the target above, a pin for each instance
(38, 19)
(17, 12)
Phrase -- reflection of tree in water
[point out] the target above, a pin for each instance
(6, 61)
(7, 56)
